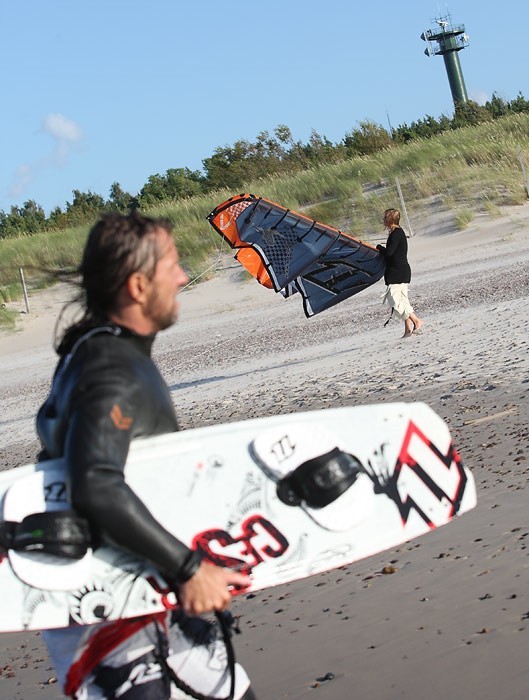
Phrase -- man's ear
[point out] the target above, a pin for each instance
(136, 285)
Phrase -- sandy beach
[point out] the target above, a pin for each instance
(453, 618)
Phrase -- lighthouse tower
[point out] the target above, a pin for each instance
(446, 41)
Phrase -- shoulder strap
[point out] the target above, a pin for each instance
(113, 330)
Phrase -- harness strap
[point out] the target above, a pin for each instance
(389, 317)
(101, 643)
(225, 621)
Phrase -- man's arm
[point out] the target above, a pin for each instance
(96, 450)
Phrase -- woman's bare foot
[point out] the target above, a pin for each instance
(418, 325)
(408, 328)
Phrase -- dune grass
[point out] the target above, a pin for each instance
(471, 170)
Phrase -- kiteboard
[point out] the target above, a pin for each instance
(280, 498)
(291, 253)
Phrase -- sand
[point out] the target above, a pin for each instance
(453, 618)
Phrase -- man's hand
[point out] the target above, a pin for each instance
(208, 589)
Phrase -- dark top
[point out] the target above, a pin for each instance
(395, 252)
(106, 392)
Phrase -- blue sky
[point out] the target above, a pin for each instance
(118, 90)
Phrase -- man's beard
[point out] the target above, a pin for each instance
(162, 319)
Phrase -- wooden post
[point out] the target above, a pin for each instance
(403, 207)
(23, 282)
(520, 158)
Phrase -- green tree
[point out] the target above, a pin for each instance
(57, 219)
(497, 106)
(85, 207)
(227, 167)
(520, 104)
(119, 200)
(317, 151)
(469, 114)
(24, 220)
(270, 154)
(369, 138)
(33, 216)
(445, 123)
(403, 133)
(177, 183)
(6, 230)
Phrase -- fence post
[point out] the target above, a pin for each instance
(25, 291)
(403, 207)
(520, 158)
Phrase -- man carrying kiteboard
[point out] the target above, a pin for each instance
(106, 391)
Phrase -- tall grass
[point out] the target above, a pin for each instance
(470, 170)
(39, 256)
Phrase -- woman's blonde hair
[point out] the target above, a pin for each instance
(392, 217)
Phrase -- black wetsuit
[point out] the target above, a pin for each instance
(105, 393)
(395, 252)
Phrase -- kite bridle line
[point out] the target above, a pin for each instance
(220, 246)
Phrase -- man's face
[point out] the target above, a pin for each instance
(161, 306)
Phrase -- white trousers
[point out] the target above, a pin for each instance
(396, 295)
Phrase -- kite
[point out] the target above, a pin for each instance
(290, 253)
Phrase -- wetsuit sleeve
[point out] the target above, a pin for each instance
(100, 429)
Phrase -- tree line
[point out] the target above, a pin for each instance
(232, 166)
